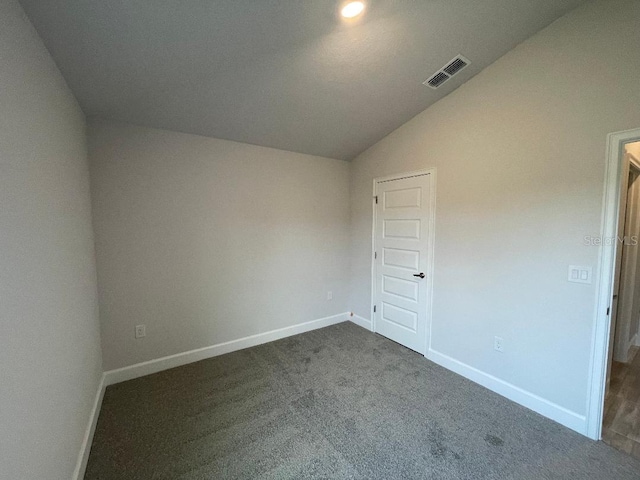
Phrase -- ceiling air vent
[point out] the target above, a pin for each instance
(437, 80)
(456, 65)
(446, 72)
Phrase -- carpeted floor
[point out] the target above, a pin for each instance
(339, 402)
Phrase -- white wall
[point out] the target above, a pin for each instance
(50, 362)
(520, 152)
(206, 241)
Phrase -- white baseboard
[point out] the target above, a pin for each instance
(179, 359)
(538, 404)
(361, 321)
(85, 448)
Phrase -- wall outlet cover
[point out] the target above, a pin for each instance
(141, 331)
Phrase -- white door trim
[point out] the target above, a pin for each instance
(431, 244)
(604, 281)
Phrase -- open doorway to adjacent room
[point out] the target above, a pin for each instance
(621, 418)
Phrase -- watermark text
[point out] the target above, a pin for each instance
(608, 241)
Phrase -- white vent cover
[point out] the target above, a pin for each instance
(446, 72)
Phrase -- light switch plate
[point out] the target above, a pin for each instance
(578, 274)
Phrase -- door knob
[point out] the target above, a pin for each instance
(421, 275)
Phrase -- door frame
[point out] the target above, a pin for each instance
(431, 172)
(605, 278)
(634, 164)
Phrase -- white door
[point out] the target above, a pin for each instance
(401, 260)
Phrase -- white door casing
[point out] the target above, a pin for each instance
(403, 258)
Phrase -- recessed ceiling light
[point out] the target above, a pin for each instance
(352, 9)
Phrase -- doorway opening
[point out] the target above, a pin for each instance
(616, 183)
(621, 418)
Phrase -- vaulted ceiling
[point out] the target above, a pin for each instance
(288, 74)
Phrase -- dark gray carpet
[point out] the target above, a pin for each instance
(339, 402)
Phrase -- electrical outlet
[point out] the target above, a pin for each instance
(141, 331)
(498, 344)
(329, 295)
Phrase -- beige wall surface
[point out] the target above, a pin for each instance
(520, 155)
(206, 241)
(633, 149)
(50, 362)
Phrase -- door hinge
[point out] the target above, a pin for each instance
(374, 309)
(608, 308)
(376, 197)
(375, 254)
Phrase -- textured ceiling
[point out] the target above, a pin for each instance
(279, 73)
